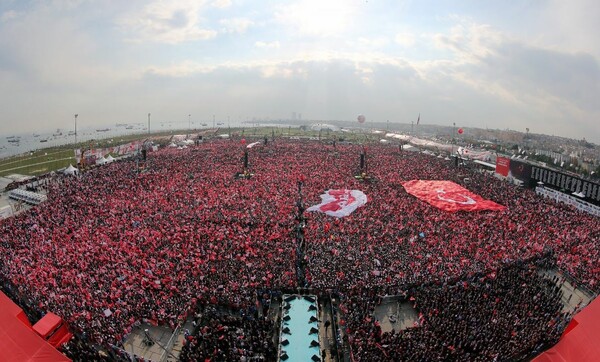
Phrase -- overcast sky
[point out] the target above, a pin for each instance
(496, 64)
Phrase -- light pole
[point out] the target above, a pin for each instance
(189, 121)
(76, 128)
(452, 139)
(148, 123)
(213, 121)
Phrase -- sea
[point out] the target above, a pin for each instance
(23, 143)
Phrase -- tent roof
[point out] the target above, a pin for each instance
(580, 341)
(70, 169)
(47, 324)
(8, 307)
(18, 342)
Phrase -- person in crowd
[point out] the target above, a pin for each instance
(115, 247)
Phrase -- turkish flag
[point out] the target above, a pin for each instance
(448, 196)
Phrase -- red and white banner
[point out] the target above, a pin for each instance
(448, 196)
(473, 154)
(340, 203)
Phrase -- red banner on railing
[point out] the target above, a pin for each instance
(502, 166)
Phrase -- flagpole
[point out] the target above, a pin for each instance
(418, 121)
(452, 140)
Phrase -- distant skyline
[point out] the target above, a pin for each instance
(501, 64)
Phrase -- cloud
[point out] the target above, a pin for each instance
(470, 42)
(518, 71)
(221, 4)
(405, 39)
(570, 26)
(372, 43)
(8, 15)
(167, 22)
(321, 65)
(317, 17)
(267, 45)
(235, 25)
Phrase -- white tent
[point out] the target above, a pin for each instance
(110, 159)
(71, 170)
(172, 145)
(101, 161)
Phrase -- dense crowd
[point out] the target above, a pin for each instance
(114, 247)
(223, 336)
(501, 316)
(396, 239)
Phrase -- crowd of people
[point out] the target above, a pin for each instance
(115, 246)
(224, 336)
(506, 315)
(397, 239)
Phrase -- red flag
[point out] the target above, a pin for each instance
(448, 196)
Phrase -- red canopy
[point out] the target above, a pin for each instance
(18, 342)
(8, 308)
(47, 324)
(580, 341)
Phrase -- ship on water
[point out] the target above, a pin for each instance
(103, 130)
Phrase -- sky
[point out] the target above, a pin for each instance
(489, 64)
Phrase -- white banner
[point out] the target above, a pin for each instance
(568, 199)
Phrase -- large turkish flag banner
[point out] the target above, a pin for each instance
(448, 196)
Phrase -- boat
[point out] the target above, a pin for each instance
(58, 133)
(44, 140)
(129, 127)
(11, 137)
(204, 125)
(103, 130)
(71, 133)
(14, 140)
(220, 124)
